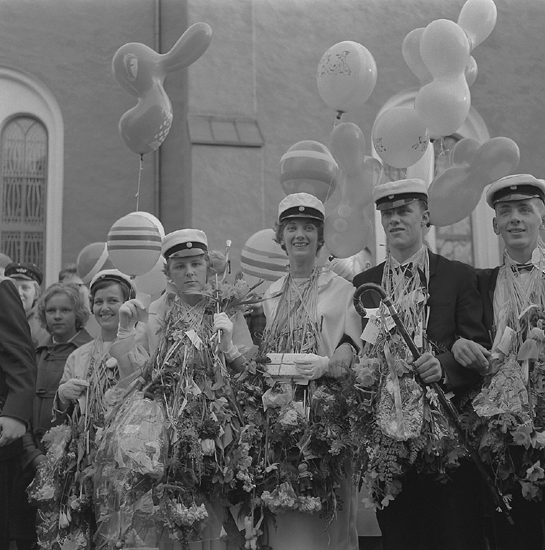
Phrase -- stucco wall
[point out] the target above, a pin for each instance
(68, 45)
(263, 61)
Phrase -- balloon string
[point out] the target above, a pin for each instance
(139, 180)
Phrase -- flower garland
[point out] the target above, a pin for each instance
(508, 423)
(174, 446)
(63, 486)
(397, 423)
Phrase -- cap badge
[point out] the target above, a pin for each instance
(189, 245)
(301, 209)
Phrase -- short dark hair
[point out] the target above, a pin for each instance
(280, 226)
(105, 283)
(72, 291)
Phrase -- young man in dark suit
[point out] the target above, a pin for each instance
(438, 299)
(17, 386)
(507, 292)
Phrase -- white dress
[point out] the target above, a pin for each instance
(337, 317)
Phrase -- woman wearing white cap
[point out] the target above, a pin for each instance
(309, 311)
(90, 371)
(194, 350)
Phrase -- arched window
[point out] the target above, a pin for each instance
(23, 190)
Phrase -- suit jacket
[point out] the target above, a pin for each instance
(17, 362)
(455, 310)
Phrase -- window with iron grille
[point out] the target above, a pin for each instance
(23, 187)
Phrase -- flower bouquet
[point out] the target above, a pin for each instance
(508, 423)
(396, 423)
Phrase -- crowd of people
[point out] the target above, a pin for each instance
(183, 424)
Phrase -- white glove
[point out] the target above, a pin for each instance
(128, 314)
(312, 367)
(72, 389)
(223, 324)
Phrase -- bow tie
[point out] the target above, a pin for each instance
(522, 267)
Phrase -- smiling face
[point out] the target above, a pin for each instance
(188, 273)
(519, 222)
(106, 304)
(60, 317)
(300, 239)
(404, 227)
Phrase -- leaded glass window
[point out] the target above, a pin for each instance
(23, 189)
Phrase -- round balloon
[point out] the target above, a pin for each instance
(92, 259)
(400, 137)
(445, 48)
(153, 282)
(134, 244)
(263, 258)
(443, 105)
(347, 74)
(308, 167)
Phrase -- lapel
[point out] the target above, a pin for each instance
(433, 259)
(492, 283)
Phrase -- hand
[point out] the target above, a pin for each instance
(224, 325)
(128, 314)
(72, 389)
(37, 461)
(472, 355)
(312, 367)
(341, 361)
(428, 368)
(10, 430)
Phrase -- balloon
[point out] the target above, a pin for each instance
(153, 282)
(444, 47)
(308, 167)
(464, 151)
(263, 258)
(443, 105)
(471, 71)
(141, 72)
(455, 193)
(411, 53)
(346, 228)
(400, 137)
(134, 244)
(347, 74)
(478, 19)
(154, 220)
(92, 259)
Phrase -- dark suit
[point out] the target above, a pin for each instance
(17, 386)
(527, 533)
(428, 515)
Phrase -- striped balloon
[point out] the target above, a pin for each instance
(134, 244)
(309, 167)
(263, 258)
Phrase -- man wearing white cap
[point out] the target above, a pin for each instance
(513, 378)
(437, 300)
